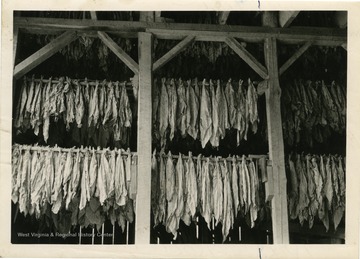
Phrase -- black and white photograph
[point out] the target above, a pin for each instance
(168, 128)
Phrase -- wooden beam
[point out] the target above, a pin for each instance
(341, 19)
(279, 211)
(173, 52)
(223, 16)
(15, 43)
(286, 17)
(270, 19)
(247, 57)
(293, 35)
(294, 57)
(44, 53)
(143, 200)
(158, 14)
(118, 51)
(93, 15)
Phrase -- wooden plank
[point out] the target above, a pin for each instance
(157, 14)
(80, 33)
(15, 43)
(293, 35)
(173, 52)
(294, 57)
(143, 200)
(119, 52)
(341, 19)
(223, 16)
(44, 53)
(299, 37)
(279, 214)
(247, 57)
(269, 184)
(93, 15)
(270, 19)
(287, 17)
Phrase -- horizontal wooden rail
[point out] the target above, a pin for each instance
(293, 35)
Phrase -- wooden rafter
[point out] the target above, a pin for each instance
(293, 35)
(44, 53)
(294, 57)
(93, 15)
(118, 51)
(173, 52)
(247, 57)
(286, 17)
(223, 16)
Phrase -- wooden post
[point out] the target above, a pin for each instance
(15, 43)
(270, 19)
(280, 224)
(143, 203)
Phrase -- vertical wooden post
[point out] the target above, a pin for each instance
(143, 210)
(15, 43)
(280, 224)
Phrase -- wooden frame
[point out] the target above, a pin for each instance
(207, 32)
(187, 33)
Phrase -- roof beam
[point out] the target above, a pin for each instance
(270, 19)
(341, 19)
(294, 57)
(223, 16)
(118, 51)
(286, 18)
(93, 15)
(44, 53)
(173, 52)
(247, 57)
(293, 35)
